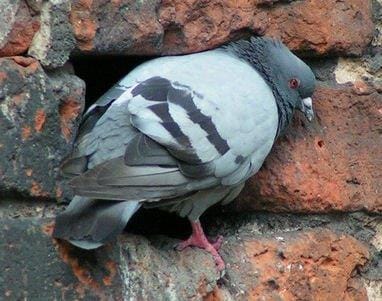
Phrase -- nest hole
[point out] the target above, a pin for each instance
(100, 73)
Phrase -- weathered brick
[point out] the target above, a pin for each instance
(331, 164)
(19, 23)
(39, 115)
(172, 26)
(265, 261)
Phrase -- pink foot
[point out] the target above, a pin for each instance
(198, 239)
(216, 242)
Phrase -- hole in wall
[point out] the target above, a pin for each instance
(158, 222)
(100, 73)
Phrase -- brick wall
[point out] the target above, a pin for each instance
(306, 227)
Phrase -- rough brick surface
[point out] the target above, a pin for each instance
(311, 265)
(39, 114)
(19, 23)
(132, 268)
(265, 261)
(315, 26)
(54, 42)
(331, 164)
(173, 26)
(177, 26)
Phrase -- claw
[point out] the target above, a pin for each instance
(198, 239)
(217, 242)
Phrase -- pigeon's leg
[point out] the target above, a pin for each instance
(199, 239)
(216, 242)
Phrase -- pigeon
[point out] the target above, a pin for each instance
(181, 133)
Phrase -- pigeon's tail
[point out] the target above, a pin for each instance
(89, 223)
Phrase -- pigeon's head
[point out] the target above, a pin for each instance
(291, 80)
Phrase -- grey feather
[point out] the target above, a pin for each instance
(142, 150)
(182, 133)
(74, 166)
(116, 181)
(89, 223)
(115, 173)
(86, 142)
(192, 207)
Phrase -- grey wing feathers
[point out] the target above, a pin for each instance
(175, 121)
(160, 128)
(86, 141)
(142, 150)
(167, 159)
(161, 142)
(116, 181)
(89, 223)
(185, 123)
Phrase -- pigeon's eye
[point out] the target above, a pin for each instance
(294, 83)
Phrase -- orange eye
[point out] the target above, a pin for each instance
(294, 83)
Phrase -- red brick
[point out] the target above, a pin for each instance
(23, 28)
(305, 265)
(332, 164)
(177, 26)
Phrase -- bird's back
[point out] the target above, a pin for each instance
(197, 145)
(228, 90)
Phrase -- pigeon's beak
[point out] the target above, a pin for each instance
(308, 108)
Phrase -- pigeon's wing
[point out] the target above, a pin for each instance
(186, 142)
(88, 138)
(224, 134)
(109, 151)
(89, 223)
(211, 118)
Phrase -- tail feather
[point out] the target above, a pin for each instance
(74, 166)
(88, 223)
